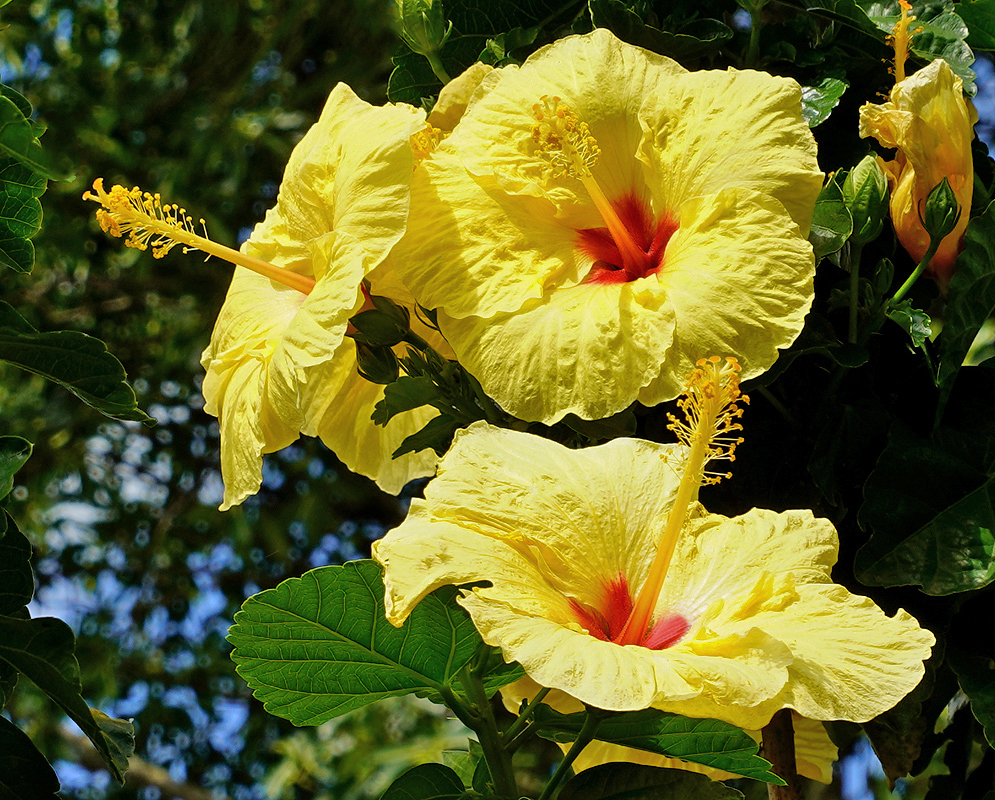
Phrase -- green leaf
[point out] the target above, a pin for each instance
(78, 362)
(16, 97)
(18, 141)
(704, 741)
(426, 782)
(20, 213)
(931, 506)
(832, 223)
(14, 452)
(970, 300)
(403, 395)
(819, 101)
(700, 39)
(976, 675)
(437, 434)
(639, 782)
(25, 774)
(462, 762)
(914, 322)
(16, 582)
(979, 16)
(44, 650)
(320, 645)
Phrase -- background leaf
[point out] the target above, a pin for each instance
(979, 15)
(20, 213)
(426, 782)
(818, 101)
(832, 222)
(25, 774)
(699, 39)
(639, 782)
(44, 650)
(78, 362)
(704, 741)
(970, 300)
(320, 645)
(976, 674)
(14, 452)
(18, 141)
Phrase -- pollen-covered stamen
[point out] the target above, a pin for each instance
(899, 39)
(148, 223)
(711, 414)
(568, 146)
(424, 142)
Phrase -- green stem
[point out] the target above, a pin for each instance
(436, 63)
(777, 404)
(934, 245)
(497, 758)
(753, 53)
(525, 715)
(854, 259)
(415, 340)
(463, 714)
(587, 732)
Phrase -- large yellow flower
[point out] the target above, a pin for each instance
(602, 576)
(929, 121)
(600, 216)
(279, 363)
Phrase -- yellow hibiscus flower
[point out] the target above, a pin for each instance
(600, 214)
(279, 363)
(931, 123)
(814, 750)
(598, 571)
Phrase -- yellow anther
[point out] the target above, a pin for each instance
(900, 39)
(149, 223)
(424, 142)
(563, 140)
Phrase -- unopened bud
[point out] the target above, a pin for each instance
(865, 192)
(383, 326)
(376, 364)
(942, 211)
(423, 25)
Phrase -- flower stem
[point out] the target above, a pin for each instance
(587, 732)
(753, 53)
(524, 716)
(497, 758)
(779, 748)
(934, 245)
(854, 259)
(436, 63)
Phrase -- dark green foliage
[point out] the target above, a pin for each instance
(629, 782)
(427, 782)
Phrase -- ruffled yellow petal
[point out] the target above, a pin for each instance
(455, 96)
(561, 536)
(931, 124)
(585, 350)
(342, 205)
(737, 283)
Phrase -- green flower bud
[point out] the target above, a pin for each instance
(423, 25)
(376, 364)
(942, 211)
(383, 326)
(865, 192)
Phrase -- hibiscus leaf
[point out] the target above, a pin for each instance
(704, 741)
(78, 362)
(14, 452)
(20, 213)
(832, 222)
(44, 650)
(404, 394)
(320, 645)
(18, 140)
(638, 782)
(976, 675)
(970, 300)
(931, 503)
(25, 774)
(818, 101)
(979, 16)
(700, 39)
(426, 782)
(462, 762)
(437, 434)
(16, 582)
(913, 321)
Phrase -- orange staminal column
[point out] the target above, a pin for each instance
(147, 222)
(710, 416)
(900, 40)
(567, 144)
